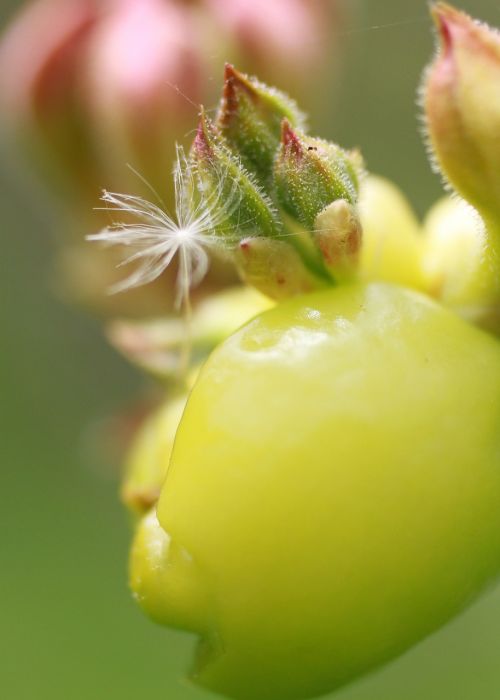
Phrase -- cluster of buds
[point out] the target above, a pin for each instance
(305, 189)
(290, 208)
(255, 186)
(106, 83)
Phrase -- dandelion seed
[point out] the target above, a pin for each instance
(158, 238)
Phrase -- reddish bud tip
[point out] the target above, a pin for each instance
(202, 141)
(234, 81)
(289, 139)
(230, 72)
(449, 21)
(444, 32)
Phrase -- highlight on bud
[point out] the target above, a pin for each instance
(250, 116)
(462, 106)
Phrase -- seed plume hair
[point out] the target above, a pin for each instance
(157, 237)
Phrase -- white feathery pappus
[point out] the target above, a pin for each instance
(157, 237)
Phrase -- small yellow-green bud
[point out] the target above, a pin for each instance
(164, 578)
(275, 268)
(149, 455)
(337, 232)
(454, 240)
(392, 236)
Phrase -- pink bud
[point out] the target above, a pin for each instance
(40, 53)
(462, 103)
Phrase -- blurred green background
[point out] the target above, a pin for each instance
(69, 628)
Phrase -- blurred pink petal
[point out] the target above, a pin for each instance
(282, 29)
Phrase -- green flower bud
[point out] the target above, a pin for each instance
(310, 174)
(317, 186)
(307, 528)
(235, 202)
(250, 117)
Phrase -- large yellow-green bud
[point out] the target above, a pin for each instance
(333, 492)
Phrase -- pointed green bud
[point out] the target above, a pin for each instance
(249, 119)
(275, 268)
(234, 202)
(310, 174)
(317, 186)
